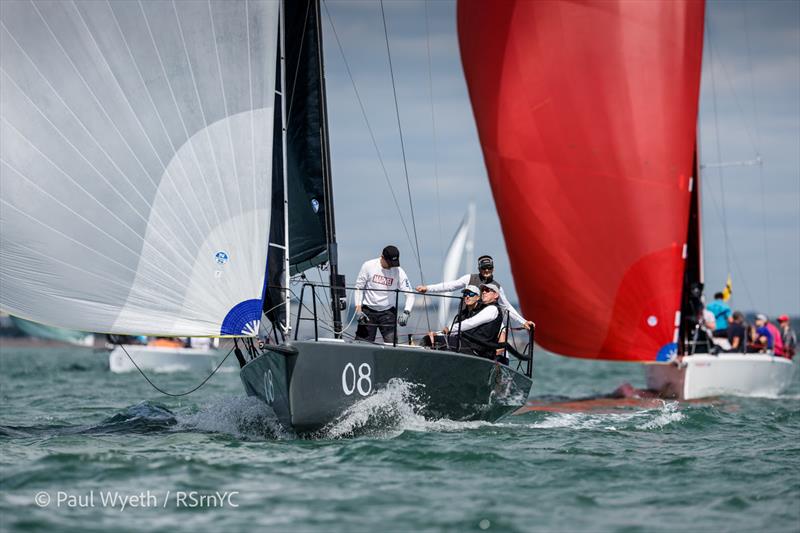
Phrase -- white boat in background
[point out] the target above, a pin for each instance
(460, 252)
(204, 356)
(52, 333)
(704, 375)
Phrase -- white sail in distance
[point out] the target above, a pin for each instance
(136, 158)
(460, 250)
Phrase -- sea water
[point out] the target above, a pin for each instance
(87, 450)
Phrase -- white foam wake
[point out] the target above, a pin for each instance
(647, 419)
(387, 412)
(244, 417)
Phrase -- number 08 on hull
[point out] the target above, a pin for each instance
(310, 384)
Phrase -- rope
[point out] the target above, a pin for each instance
(369, 127)
(760, 167)
(162, 391)
(709, 194)
(405, 163)
(719, 150)
(433, 129)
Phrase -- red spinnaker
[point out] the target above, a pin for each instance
(587, 112)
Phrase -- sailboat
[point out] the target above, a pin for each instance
(166, 171)
(459, 255)
(166, 355)
(40, 331)
(587, 116)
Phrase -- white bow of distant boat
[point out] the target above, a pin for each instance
(703, 375)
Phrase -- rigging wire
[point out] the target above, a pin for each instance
(719, 150)
(405, 163)
(433, 128)
(758, 154)
(369, 126)
(709, 194)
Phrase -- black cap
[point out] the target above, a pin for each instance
(392, 255)
(485, 261)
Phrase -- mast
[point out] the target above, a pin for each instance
(692, 290)
(338, 295)
(286, 274)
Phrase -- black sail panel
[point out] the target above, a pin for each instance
(304, 154)
(305, 148)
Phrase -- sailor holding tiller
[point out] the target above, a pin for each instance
(485, 275)
(375, 297)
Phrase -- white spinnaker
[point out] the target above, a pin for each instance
(136, 158)
(462, 241)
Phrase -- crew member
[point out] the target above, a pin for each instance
(723, 314)
(485, 275)
(788, 336)
(375, 296)
(470, 306)
(474, 333)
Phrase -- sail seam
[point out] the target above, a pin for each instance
(130, 106)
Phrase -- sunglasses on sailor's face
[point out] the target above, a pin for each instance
(486, 289)
(469, 293)
(487, 268)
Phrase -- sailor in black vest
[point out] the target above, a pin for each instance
(472, 334)
(485, 275)
(470, 306)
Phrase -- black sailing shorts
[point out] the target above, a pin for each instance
(384, 320)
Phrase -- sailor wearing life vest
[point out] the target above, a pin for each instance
(375, 296)
(484, 275)
(481, 329)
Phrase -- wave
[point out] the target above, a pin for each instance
(391, 411)
(647, 419)
(144, 417)
(386, 413)
(243, 417)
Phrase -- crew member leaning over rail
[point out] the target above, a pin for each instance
(485, 275)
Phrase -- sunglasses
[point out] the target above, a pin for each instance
(486, 290)
(469, 293)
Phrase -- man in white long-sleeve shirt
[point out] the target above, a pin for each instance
(375, 296)
(484, 275)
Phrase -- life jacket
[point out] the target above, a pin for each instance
(466, 313)
(475, 279)
(487, 333)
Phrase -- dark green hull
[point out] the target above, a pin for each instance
(310, 384)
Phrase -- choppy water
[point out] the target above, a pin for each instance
(72, 431)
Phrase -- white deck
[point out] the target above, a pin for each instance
(705, 375)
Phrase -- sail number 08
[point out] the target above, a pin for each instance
(362, 381)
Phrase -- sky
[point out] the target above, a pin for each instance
(749, 108)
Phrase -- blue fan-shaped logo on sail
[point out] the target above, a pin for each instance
(243, 319)
(668, 352)
(221, 257)
(315, 205)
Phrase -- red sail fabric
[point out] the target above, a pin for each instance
(587, 115)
